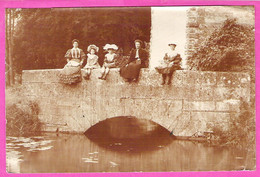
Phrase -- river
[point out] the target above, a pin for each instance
(119, 145)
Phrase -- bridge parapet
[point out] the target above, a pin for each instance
(195, 102)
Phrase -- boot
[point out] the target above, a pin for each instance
(163, 79)
(86, 77)
(102, 76)
(169, 79)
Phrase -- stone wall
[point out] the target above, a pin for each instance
(193, 104)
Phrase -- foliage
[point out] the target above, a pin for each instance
(241, 132)
(229, 48)
(42, 36)
(21, 114)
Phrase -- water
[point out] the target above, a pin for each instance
(109, 147)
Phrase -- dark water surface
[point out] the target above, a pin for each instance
(120, 145)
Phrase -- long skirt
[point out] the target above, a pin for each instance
(70, 74)
(131, 71)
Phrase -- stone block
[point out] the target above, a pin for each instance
(228, 105)
(149, 77)
(128, 91)
(205, 120)
(62, 110)
(183, 125)
(192, 78)
(199, 92)
(46, 76)
(128, 105)
(227, 93)
(32, 89)
(114, 108)
(228, 79)
(167, 112)
(198, 123)
(177, 78)
(206, 78)
(215, 117)
(199, 105)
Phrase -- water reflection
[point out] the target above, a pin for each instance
(65, 153)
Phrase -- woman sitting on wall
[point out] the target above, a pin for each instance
(137, 60)
(171, 62)
(71, 73)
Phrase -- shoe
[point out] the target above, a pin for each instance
(163, 82)
(134, 80)
(86, 77)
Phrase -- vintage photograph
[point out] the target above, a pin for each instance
(130, 89)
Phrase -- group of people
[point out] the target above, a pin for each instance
(71, 73)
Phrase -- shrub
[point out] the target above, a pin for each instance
(241, 132)
(229, 48)
(21, 114)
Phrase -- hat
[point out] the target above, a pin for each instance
(110, 46)
(172, 44)
(75, 40)
(92, 46)
(138, 40)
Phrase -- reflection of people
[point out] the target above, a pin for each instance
(138, 57)
(92, 60)
(170, 63)
(109, 61)
(75, 57)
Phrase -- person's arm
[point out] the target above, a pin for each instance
(144, 58)
(132, 56)
(96, 60)
(82, 56)
(105, 59)
(177, 59)
(68, 55)
(115, 58)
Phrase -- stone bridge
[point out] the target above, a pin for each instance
(195, 102)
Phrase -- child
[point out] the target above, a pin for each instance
(92, 61)
(109, 61)
(170, 63)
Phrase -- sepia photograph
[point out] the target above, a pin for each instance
(130, 89)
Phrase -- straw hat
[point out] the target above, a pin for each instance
(172, 44)
(75, 40)
(92, 46)
(138, 40)
(110, 46)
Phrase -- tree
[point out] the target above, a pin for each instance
(43, 35)
(229, 48)
(11, 15)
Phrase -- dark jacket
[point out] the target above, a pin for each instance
(143, 55)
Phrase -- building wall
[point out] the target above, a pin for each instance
(194, 103)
